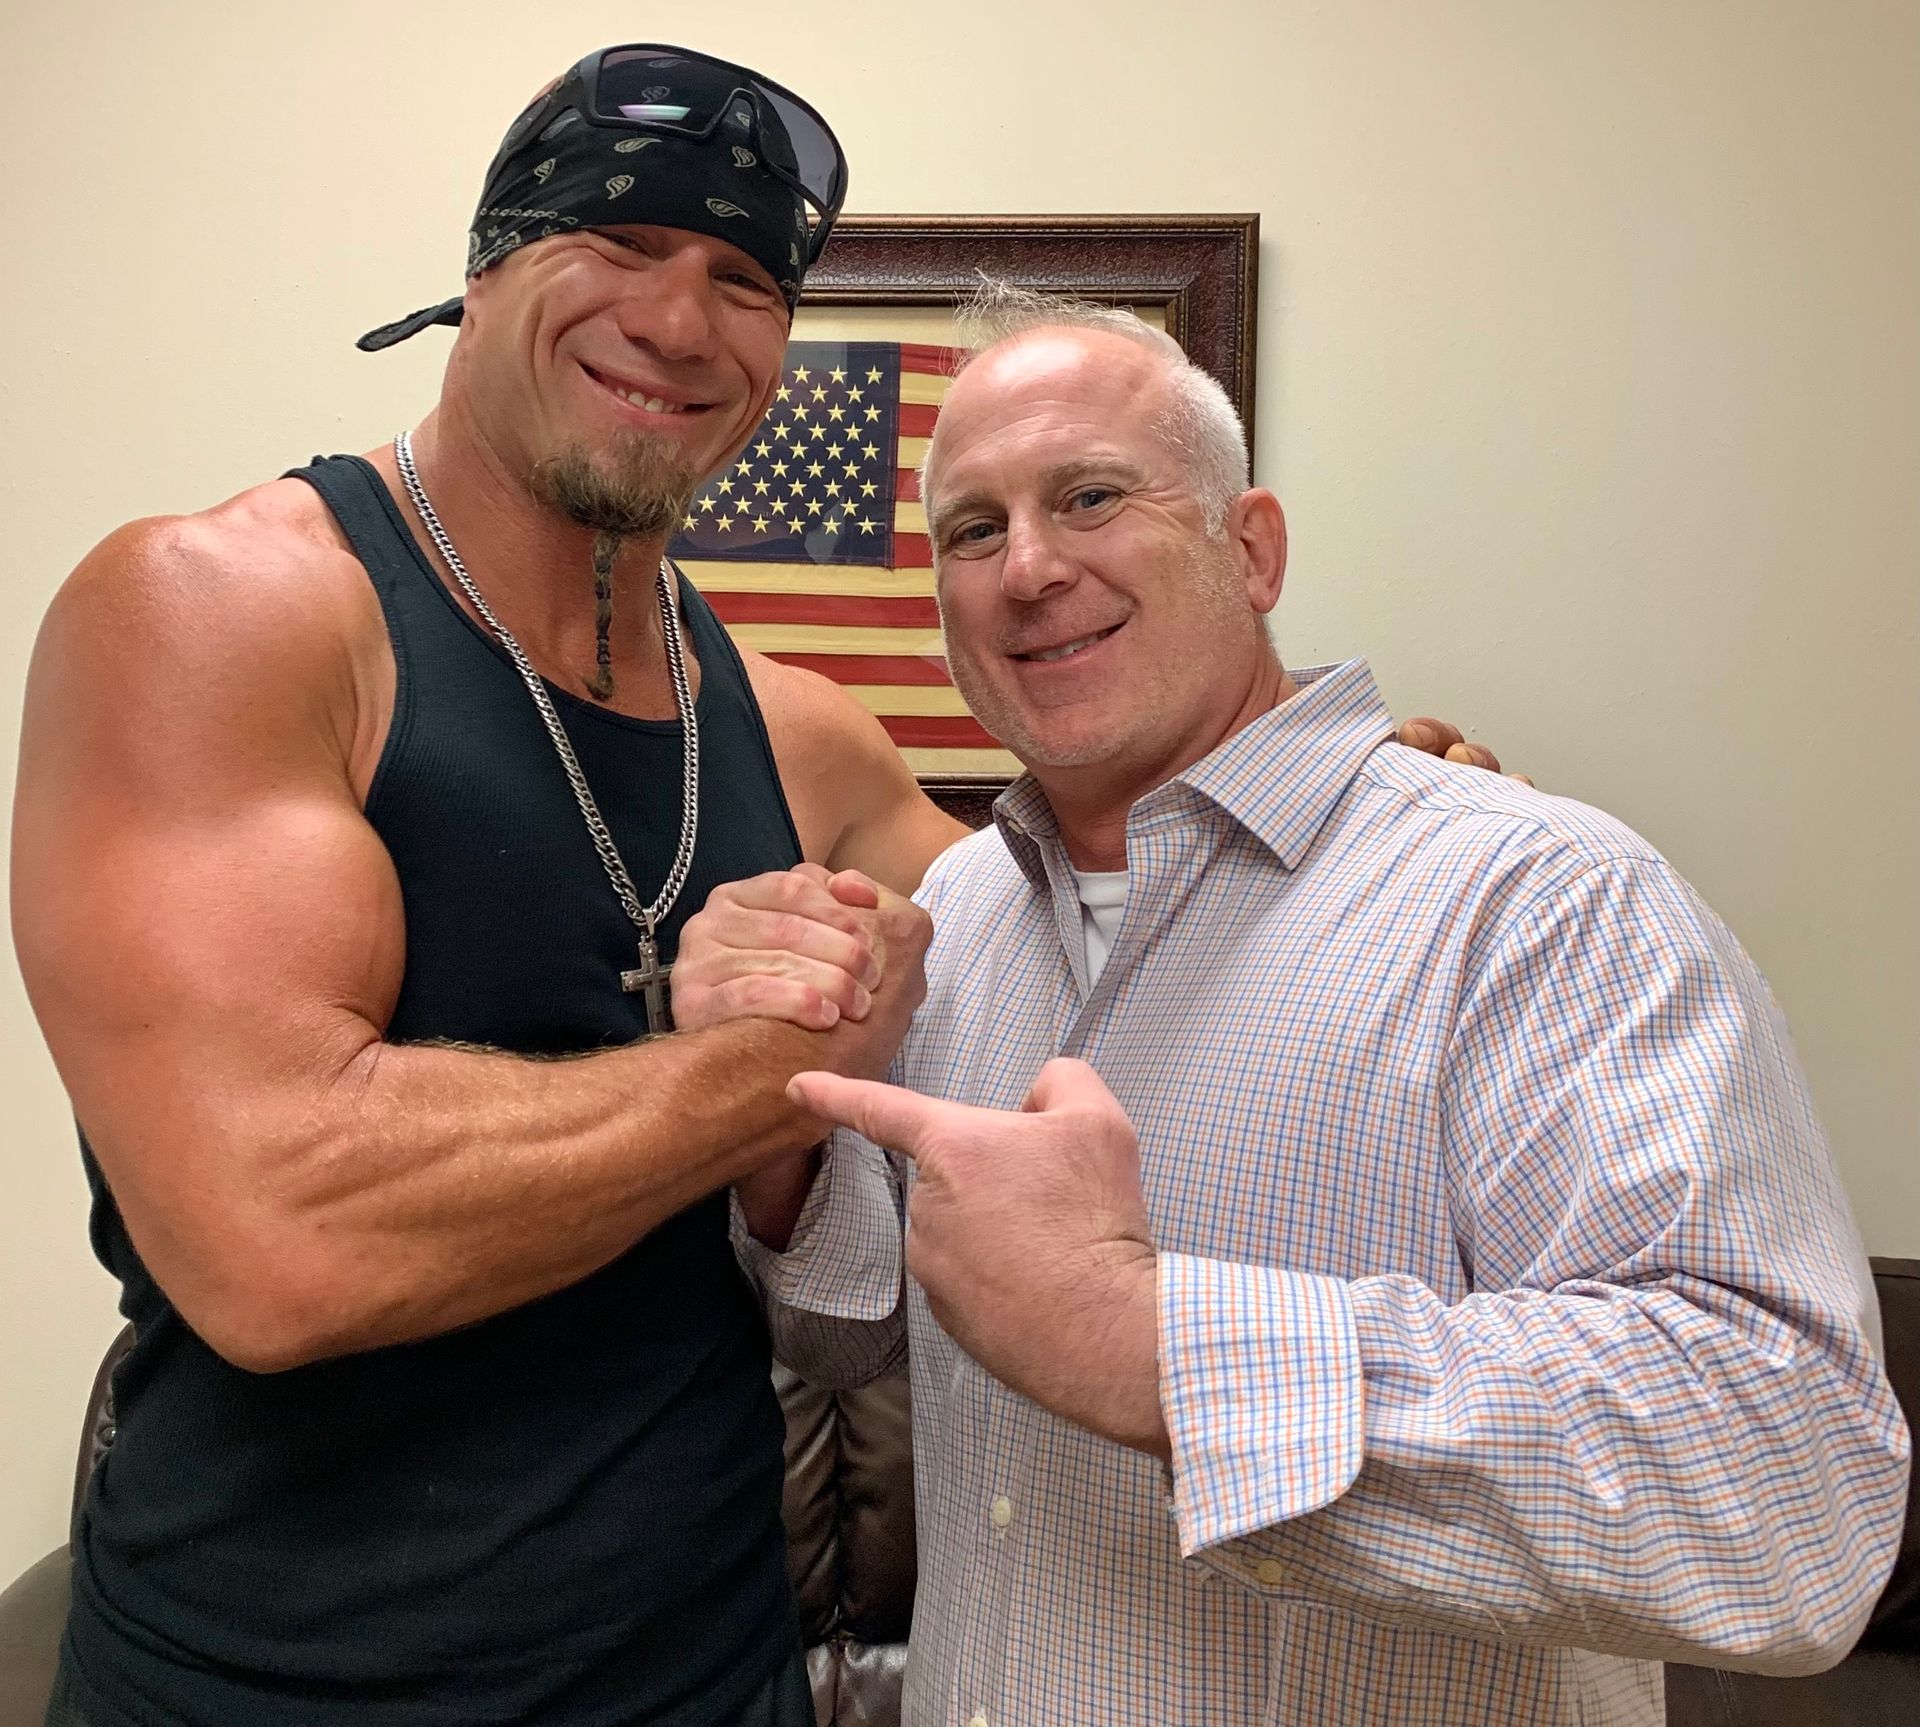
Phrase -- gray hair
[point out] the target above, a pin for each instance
(1200, 424)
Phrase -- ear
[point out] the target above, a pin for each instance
(479, 290)
(477, 293)
(1257, 530)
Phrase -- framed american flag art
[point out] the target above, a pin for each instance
(813, 547)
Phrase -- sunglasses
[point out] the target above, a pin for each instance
(654, 87)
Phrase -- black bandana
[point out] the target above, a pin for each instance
(574, 174)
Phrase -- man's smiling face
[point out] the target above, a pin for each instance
(1090, 618)
(640, 355)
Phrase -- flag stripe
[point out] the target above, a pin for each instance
(918, 390)
(898, 612)
(819, 579)
(824, 639)
(886, 699)
(926, 669)
(922, 357)
(916, 419)
(999, 763)
(933, 732)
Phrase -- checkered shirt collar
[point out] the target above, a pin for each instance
(1278, 777)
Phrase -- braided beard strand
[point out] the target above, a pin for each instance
(635, 486)
(606, 548)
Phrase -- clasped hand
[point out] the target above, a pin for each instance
(827, 952)
(833, 954)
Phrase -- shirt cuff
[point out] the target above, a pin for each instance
(845, 1256)
(1261, 1389)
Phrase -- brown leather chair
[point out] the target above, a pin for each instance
(849, 1510)
(850, 1543)
(34, 1607)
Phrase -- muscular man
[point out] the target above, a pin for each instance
(1421, 1293)
(447, 1401)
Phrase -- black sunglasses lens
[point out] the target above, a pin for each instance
(654, 88)
(816, 157)
(683, 93)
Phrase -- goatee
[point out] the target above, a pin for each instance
(635, 484)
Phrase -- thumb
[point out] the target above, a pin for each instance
(889, 1115)
(1065, 1083)
(851, 887)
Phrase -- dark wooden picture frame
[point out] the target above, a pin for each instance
(1201, 272)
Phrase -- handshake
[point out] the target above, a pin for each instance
(829, 952)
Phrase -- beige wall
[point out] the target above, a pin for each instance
(1590, 374)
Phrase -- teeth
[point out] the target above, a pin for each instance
(653, 404)
(1071, 647)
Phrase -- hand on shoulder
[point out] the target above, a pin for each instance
(1439, 738)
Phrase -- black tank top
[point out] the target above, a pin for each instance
(568, 1513)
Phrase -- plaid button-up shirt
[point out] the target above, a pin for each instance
(1511, 1324)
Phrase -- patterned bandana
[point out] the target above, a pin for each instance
(574, 174)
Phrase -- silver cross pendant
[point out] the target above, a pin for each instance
(651, 977)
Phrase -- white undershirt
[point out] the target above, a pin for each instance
(1103, 901)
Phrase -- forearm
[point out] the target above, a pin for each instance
(423, 1187)
(771, 1198)
(1663, 1471)
(1100, 1369)
(832, 1286)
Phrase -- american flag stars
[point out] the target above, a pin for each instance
(818, 467)
(823, 560)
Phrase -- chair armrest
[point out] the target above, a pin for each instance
(33, 1614)
(1866, 1690)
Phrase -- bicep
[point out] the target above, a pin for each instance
(162, 947)
(893, 831)
(897, 840)
(854, 799)
(208, 927)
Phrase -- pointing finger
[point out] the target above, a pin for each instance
(889, 1115)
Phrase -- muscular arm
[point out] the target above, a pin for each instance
(854, 800)
(212, 937)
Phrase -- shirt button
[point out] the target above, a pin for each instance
(1002, 1512)
(1270, 1571)
(979, 1720)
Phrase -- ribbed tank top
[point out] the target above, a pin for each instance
(568, 1513)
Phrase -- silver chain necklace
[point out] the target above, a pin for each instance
(650, 977)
